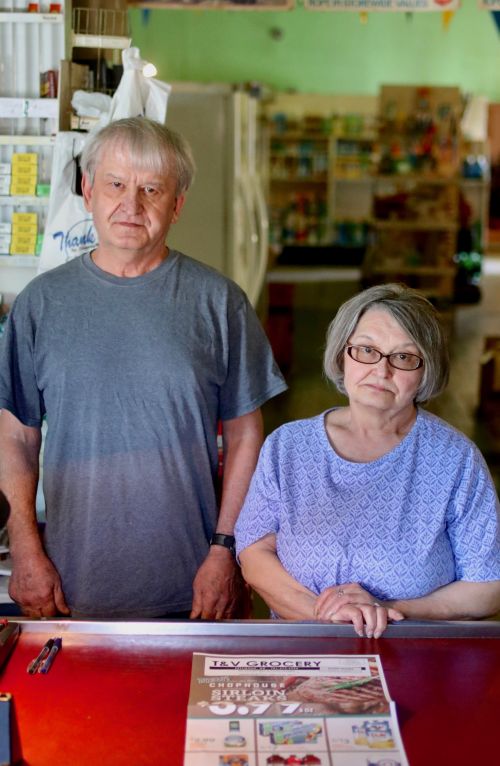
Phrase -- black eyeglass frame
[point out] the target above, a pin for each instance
(420, 364)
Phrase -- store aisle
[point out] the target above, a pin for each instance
(309, 392)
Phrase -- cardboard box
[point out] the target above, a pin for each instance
(21, 189)
(24, 158)
(22, 245)
(24, 240)
(24, 218)
(25, 171)
(25, 230)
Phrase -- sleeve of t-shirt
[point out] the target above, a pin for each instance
(474, 524)
(260, 514)
(19, 393)
(252, 376)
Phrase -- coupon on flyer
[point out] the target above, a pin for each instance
(294, 710)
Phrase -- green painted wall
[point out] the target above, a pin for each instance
(321, 52)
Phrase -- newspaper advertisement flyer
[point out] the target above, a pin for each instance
(293, 710)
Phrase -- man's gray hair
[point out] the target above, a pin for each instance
(153, 146)
(415, 315)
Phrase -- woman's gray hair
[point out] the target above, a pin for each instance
(415, 315)
(153, 146)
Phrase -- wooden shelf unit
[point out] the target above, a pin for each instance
(299, 182)
(415, 206)
(319, 188)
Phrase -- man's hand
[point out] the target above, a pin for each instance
(36, 587)
(218, 586)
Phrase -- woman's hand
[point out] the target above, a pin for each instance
(352, 603)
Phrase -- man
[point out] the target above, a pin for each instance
(134, 353)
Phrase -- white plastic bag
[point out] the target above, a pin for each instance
(136, 94)
(90, 104)
(69, 230)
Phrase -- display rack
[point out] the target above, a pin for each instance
(299, 189)
(320, 185)
(31, 46)
(354, 161)
(51, 40)
(475, 187)
(416, 190)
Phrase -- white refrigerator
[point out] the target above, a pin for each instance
(224, 222)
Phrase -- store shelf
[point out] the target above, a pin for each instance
(474, 183)
(99, 41)
(39, 108)
(413, 225)
(27, 140)
(299, 135)
(16, 17)
(421, 271)
(28, 261)
(301, 180)
(415, 208)
(299, 275)
(32, 46)
(416, 178)
(342, 179)
(21, 201)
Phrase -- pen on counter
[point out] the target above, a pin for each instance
(34, 664)
(47, 662)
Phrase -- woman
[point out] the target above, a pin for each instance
(378, 510)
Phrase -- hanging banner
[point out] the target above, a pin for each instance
(214, 5)
(404, 6)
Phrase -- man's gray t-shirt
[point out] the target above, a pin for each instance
(133, 375)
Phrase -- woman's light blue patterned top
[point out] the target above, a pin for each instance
(417, 518)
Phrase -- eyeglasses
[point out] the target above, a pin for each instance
(400, 359)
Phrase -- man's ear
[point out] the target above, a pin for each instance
(87, 192)
(178, 205)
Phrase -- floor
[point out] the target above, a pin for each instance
(309, 393)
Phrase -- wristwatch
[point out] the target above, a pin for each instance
(227, 541)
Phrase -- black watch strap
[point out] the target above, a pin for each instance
(227, 541)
